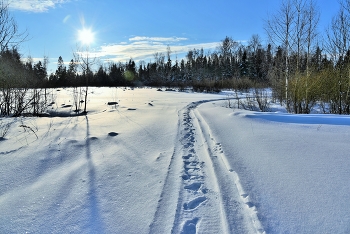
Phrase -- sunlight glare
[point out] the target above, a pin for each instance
(86, 36)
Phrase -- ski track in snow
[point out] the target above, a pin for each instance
(200, 186)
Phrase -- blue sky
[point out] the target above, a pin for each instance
(139, 28)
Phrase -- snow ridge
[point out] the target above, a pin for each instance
(165, 213)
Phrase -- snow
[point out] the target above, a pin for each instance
(173, 162)
(294, 167)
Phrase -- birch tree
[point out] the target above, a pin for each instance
(280, 30)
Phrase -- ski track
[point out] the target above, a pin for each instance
(201, 193)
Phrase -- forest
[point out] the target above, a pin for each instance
(302, 65)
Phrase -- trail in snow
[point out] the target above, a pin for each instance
(200, 188)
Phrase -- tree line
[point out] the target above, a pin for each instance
(302, 66)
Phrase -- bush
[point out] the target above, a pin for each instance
(4, 129)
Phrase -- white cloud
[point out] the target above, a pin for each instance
(35, 5)
(159, 39)
(144, 48)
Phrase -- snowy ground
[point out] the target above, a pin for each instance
(170, 162)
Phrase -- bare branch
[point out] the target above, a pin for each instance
(10, 36)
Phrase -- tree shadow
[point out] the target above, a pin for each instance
(95, 219)
(318, 119)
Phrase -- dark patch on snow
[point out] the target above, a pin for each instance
(204, 190)
(112, 103)
(113, 134)
(187, 156)
(250, 204)
(66, 106)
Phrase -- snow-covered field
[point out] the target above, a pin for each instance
(171, 162)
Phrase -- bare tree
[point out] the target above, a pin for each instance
(312, 19)
(227, 47)
(280, 30)
(294, 27)
(83, 57)
(338, 44)
(13, 75)
(300, 30)
(346, 5)
(306, 21)
(338, 35)
(254, 43)
(10, 36)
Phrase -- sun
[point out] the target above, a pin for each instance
(86, 36)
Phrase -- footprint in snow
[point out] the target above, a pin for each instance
(188, 145)
(194, 203)
(72, 142)
(191, 168)
(190, 227)
(194, 187)
(191, 165)
(186, 177)
(187, 156)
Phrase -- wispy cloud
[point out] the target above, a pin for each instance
(35, 5)
(65, 20)
(144, 48)
(33, 60)
(160, 39)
